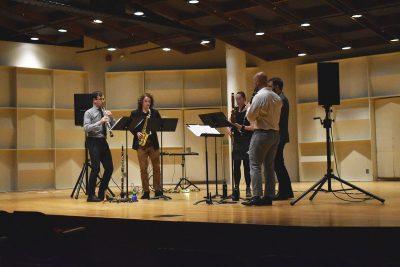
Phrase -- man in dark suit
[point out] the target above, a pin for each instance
(150, 148)
(285, 187)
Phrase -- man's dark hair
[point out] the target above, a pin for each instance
(277, 82)
(242, 94)
(96, 94)
(141, 98)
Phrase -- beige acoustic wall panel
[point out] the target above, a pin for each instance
(352, 120)
(7, 170)
(166, 88)
(7, 87)
(307, 83)
(387, 112)
(195, 165)
(66, 133)
(66, 84)
(123, 89)
(35, 169)
(310, 130)
(34, 88)
(354, 160)
(35, 128)
(202, 88)
(8, 128)
(68, 166)
(353, 76)
(385, 74)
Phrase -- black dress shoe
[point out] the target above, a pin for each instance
(254, 201)
(279, 197)
(236, 194)
(101, 195)
(93, 199)
(146, 195)
(267, 201)
(158, 193)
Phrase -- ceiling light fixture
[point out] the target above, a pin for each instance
(97, 21)
(395, 40)
(260, 33)
(205, 42)
(35, 38)
(346, 47)
(356, 16)
(306, 24)
(62, 30)
(302, 54)
(138, 13)
(193, 1)
(166, 49)
(111, 49)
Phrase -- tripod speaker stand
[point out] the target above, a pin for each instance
(329, 176)
(328, 95)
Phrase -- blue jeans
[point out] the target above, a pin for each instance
(263, 147)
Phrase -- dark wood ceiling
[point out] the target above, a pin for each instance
(182, 26)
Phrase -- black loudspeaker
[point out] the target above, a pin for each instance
(328, 84)
(82, 102)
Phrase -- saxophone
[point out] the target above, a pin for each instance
(145, 135)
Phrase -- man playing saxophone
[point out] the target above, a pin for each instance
(146, 144)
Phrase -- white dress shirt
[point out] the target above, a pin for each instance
(265, 110)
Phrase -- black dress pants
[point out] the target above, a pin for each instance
(285, 185)
(237, 172)
(99, 152)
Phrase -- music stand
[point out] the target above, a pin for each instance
(215, 120)
(205, 131)
(162, 125)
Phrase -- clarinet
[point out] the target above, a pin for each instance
(122, 172)
(108, 125)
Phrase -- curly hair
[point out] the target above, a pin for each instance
(141, 98)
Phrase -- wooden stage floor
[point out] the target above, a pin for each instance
(324, 211)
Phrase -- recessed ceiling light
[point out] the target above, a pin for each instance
(356, 16)
(166, 49)
(395, 40)
(138, 13)
(111, 49)
(97, 21)
(204, 42)
(260, 33)
(346, 47)
(193, 1)
(302, 54)
(62, 30)
(35, 38)
(306, 24)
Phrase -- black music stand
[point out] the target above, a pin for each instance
(162, 125)
(205, 131)
(215, 120)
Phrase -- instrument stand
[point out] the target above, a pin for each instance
(329, 176)
(184, 179)
(83, 178)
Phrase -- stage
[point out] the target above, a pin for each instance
(325, 211)
(178, 233)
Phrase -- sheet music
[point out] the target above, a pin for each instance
(198, 130)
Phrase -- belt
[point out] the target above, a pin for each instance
(265, 131)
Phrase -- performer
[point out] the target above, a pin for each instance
(241, 141)
(285, 187)
(264, 113)
(95, 123)
(147, 146)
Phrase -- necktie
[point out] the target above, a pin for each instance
(103, 125)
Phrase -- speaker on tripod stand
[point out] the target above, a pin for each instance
(329, 95)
